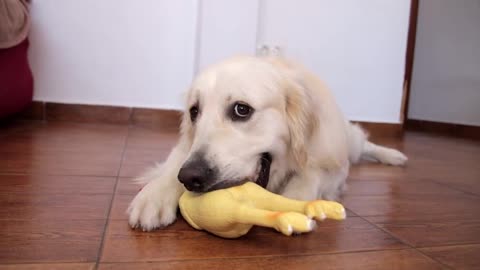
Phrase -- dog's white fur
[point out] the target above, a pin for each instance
(295, 119)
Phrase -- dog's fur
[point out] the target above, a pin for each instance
(295, 119)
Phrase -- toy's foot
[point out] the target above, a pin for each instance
(292, 222)
(321, 210)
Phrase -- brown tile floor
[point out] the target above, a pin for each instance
(64, 188)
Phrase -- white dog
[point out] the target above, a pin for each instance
(265, 120)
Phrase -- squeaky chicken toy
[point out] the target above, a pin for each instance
(231, 212)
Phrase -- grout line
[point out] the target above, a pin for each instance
(49, 174)
(401, 241)
(213, 258)
(50, 219)
(433, 259)
(46, 262)
(423, 179)
(130, 116)
(453, 187)
(262, 256)
(233, 258)
(451, 245)
(102, 242)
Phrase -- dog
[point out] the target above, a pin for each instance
(263, 119)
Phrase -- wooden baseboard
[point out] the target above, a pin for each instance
(160, 118)
(35, 111)
(118, 115)
(446, 129)
(378, 130)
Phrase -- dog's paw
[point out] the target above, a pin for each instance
(321, 210)
(394, 157)
(153, 208)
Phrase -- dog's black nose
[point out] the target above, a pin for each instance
(196, 175)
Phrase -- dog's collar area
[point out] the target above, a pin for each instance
(264, 174)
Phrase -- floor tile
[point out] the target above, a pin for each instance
(409, 207)
(127, 186)
(418, 188)
(379, 172)
(151, 138)
(458, 257)
(431, 233)
(63, 149)
(40, 197)
(49, 266)
(50, 240)
(54, 206)
(177, 242)
(55, 184)
(138, 160)
(391, 259)
(145, 148)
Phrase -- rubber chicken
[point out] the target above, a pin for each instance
(232, 212)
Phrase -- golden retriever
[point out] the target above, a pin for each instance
(266, 120)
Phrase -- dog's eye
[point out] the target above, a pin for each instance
(241, 111)
(193, 113)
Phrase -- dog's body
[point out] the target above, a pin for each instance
(265, 120)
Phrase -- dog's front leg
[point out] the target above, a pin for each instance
(312, 184)
(303, 186)
(156, 204)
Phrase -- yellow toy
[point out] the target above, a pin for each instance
(232, 212)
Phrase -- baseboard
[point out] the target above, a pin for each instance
(377, 130)
(118, 115)
(160, 118)
(446, 129)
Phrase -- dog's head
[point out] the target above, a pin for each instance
(242, 118)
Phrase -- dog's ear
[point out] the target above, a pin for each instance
(301, 122)
(318, 129)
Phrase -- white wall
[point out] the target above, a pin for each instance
(446, 73)
(226, 28)
(114, 52)
(143, 53)
(357, 47)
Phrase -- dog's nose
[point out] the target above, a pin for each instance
(195, 175)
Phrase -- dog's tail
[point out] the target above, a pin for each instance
(362, 148)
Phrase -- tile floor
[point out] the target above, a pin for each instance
(64, 188)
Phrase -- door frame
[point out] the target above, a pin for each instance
(409, 59)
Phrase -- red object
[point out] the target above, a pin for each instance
(16, 81)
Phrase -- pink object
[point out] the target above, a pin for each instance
(16, 81)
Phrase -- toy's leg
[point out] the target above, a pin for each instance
(318, 209)
(270, 201)
(284, 222)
